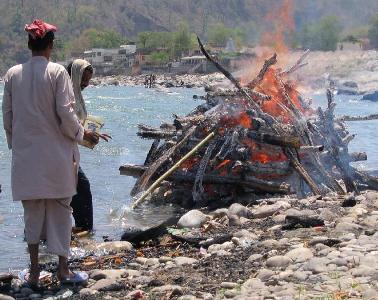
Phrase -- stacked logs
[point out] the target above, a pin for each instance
(267, 140)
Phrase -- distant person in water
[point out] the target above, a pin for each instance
(42, 131)
(81, 73)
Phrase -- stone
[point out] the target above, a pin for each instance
(187, 297)
(269, 210)
(164, 259)
(35, 296)
(104, 285)
(253, 284)
(228, 285)
(113, 274)
(221, 253)
(181, 260)
(265, 274)
(142, 280)
(25, 291)
(301, 275)
(5, 297)
(245, 234)
(239, 210)
(116, 246)
(220, 212)
(97, 275)
(370, 294)
(254, 257)
(227, 246)
(193, 219)
(173, 290)
(278, 261)
(67, 294)
(316, 265)
(230, 293)
(152, 262)
(347, 227)
(285, 275)
(135, 295)
(364, 271)
(300, 254)
(86, 293)
(141, 260)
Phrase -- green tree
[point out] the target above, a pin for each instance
(218, 35)
(159, 57)
(182, 40)
(373, 31)
(323, 35)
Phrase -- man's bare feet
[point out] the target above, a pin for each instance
(33, 279)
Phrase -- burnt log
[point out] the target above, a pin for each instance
(283, 141)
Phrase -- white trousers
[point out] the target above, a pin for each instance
(49, 219)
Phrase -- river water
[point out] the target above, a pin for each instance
(123, 108)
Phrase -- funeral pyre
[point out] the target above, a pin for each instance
(262, 137)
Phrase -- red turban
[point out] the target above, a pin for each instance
(38, 28)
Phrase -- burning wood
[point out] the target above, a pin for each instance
(266, 140)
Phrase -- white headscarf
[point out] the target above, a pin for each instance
(77, 70)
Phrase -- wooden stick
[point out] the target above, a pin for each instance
(172, 169)
(267, 64)
(142, 182)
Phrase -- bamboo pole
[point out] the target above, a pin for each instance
(171, 170)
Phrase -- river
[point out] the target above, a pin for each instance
(123, 108)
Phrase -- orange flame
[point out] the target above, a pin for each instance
(242, 119)
(282, 20)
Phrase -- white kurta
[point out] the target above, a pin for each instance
(42, 130)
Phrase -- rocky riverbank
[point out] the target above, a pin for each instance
(161, 80)
(353, 72)
(279, 248)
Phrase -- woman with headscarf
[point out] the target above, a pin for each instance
(81, 72)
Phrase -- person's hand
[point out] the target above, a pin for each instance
(104, 136)
(91, 136)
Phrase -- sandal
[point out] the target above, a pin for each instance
(79, 277)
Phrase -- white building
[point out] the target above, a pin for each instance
(104, 60)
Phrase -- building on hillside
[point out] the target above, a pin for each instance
(115, 60)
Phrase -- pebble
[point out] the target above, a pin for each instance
(181, 260)
(117, 246)
(278, 261)
(26, 292)
(173, 290)
(227, 246)
(239, 210)
(316, 265)
(193, 219)
(228, 285)
(135, 295)
(269, 210)
(104, 285)
(254, 257)
(5, 297)
(265, 274)
(87, 292)
(164, 259)
(300, 254)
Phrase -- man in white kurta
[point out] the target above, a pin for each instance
(42, 131)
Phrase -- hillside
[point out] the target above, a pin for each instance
(133, 16)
